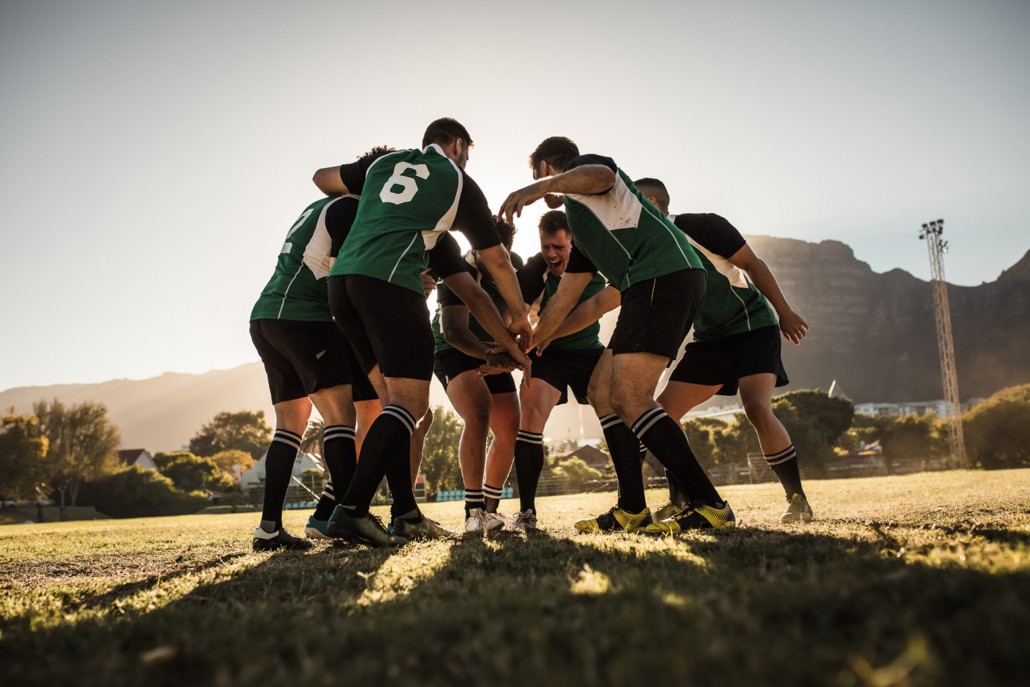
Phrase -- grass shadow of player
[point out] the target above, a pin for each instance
(756, 606)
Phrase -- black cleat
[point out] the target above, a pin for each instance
(264, 541)
(367, 529)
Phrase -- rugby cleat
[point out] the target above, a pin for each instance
(616, 520)
(422, 528)
(280, 539)
(317, 529)
(797, 510)
(524, 521)
(367, 529)
(703, 517)
(666, 511)
(478, 520)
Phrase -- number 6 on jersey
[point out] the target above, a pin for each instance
(410, 188)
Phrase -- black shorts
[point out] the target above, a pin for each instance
(385, 324)
(726, 359)
(452, 362)
(361, 389)
(564, 369)
(657, 313)
(301, 357)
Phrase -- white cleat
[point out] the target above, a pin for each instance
(479, 520)
(524, 521)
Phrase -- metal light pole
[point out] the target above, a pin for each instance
(931, 233)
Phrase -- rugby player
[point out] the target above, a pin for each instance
(484, 402)
(414, 197)
(619, 233)
(568, 361)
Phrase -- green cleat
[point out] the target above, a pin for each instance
(666, 511)
(367, 529)
(616, 520)
(798, 510)
(423, 528)
(698, 518)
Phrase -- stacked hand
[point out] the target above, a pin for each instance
(498, 363)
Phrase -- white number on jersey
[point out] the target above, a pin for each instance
(410, 188)
(288, 246)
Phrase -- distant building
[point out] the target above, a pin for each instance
(594, 458)
(255, 475)
(137, 456)
(939, 408)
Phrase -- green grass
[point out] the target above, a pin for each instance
(914, 580)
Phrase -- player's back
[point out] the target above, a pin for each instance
(409, 198)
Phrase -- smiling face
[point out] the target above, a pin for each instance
(556, 248)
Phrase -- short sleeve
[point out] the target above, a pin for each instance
(711, 232)
(473, 217)
(578, 262)
(531, 278)
(353, 174)
(339, 217)
(445, 257)
(591, 159)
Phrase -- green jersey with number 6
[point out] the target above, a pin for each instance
(409, 198)
(297, 289)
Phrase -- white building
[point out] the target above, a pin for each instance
(137, 456)
(256, 474)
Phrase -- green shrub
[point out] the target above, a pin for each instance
(189, 473)
(135, 492)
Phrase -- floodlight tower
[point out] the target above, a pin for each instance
(931, 233)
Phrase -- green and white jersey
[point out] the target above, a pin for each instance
(733, 304)
(539, 286)
(445, 297)
(409, 198)
(297, 289)
(622, 234)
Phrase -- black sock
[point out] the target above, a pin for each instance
(785, 465)
(474, 499)
(326, 503)
(625, 450)
(279, 460)
(669, 445)
(493, 498)
(388, 442)
(677, 494)
(341, 461)
(529, 463)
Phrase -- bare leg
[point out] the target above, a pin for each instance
(504, 421)
(756, 395)
(678, 398)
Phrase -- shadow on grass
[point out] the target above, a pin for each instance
(752, 607)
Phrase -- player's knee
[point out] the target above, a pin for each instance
(624, 402)
(758, 414)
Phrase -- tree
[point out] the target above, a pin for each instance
(440, 456)
(190, 473)
(135, 492)
(314, 438)
(23, 463)
(904, 438)
(575, 472)
(700, 435)
(227, 460)
(83, 442)
(830, 417)
(245, 431)
(997, 431)
(162, 460)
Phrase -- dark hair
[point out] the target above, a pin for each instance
(505, 231)
(444, 131)
(557, 151)
(653, 188)
(552, 222)
(376, 152)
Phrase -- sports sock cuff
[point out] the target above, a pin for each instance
(406, 418)
(328, 491)
(338, 432)
(473, 493)
(781, 456)
(530, 437)
(492, 492)
(647, 421)
(609, 421)
(287, 437)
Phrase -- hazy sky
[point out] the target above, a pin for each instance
(155, 154)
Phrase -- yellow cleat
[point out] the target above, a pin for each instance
(616, 520)
(666, 511)
(697, 518)
(798, 510)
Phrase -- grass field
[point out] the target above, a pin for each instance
(920, 580)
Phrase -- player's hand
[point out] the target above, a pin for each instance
(793, 327)
(522, 330)
(521, 360)
(497, 363)
(542, 346)
(428, 284)
(513, 204)
(554, 200)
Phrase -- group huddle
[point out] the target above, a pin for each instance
(344, 325)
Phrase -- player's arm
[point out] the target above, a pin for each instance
(791, 324)
(454, 323)
(586, 175)
(483, 309)
(329, 181)
(498, 264)
(561, 304)
(349, 178)
(585, 314)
